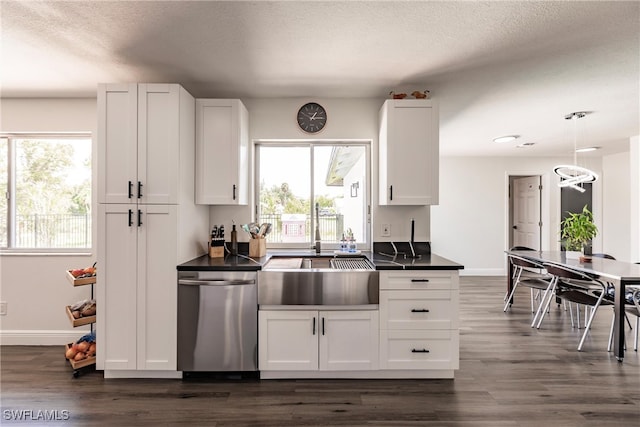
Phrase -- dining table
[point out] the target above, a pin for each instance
(619, 274)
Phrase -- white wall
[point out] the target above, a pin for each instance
(34, 286)
(470, 225)
(355, 119)
(634, 199)
(616, 206)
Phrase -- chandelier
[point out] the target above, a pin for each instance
(573, 176)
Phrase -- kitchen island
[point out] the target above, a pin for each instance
(407, 329)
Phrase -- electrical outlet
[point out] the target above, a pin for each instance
(3, 308)
(385, 230)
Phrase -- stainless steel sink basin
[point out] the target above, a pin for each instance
(317, 281)
(317, 262)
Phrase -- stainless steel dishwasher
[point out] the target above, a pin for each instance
(217, 321)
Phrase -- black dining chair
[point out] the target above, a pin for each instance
(587, 307)
(573, 286)
(524, 272)
(534, 277)
(632, 307)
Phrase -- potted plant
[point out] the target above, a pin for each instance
(577, 230)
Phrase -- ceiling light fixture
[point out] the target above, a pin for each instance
(573, 175)
(587, 149)
(507, 138)
(525, 144)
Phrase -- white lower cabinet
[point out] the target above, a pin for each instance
(419, 320)
(310, 340)
(137, 258)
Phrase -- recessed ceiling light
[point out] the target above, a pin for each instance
(507, 138)
(525, 144)
(586, 149)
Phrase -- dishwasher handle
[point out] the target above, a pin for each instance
(221, 282)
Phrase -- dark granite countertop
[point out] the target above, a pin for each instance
(383, 260)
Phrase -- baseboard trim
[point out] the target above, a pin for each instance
(483, 272)
(39, 337)
(110, 374)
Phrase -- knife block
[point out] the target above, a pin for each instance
(216, 248)
(257, 248)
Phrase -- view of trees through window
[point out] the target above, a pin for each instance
(293, 179)
(48, 182)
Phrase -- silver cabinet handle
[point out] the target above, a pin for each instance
(215, 282)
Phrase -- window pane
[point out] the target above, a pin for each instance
(339, 185)
(285, 192)
(4, 164)
(53, 193)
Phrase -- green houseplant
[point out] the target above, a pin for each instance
(578, 229)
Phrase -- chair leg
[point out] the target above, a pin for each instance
(513, 291)
(508, 303)
(545, 303)
(588, 325)
(610, 344)
(635, 342)
(571, 315)
(531, 292)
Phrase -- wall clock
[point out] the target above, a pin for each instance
(312, 117)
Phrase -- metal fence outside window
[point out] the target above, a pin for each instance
(53, 231)
(331, 227)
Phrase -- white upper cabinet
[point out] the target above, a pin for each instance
(222, 152)
(140, 128)
(408, 152)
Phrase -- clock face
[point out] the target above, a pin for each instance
(312, 117)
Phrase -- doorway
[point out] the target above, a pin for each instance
(525, 211)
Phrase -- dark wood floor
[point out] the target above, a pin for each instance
(510, 375)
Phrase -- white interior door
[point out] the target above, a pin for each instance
(526, 212)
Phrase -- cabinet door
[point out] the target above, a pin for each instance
(117, 142)
(158, 143)
(348, 340)
(157, 297)
(221, 152)
(409, 150)
(288, 340)
(116, 287)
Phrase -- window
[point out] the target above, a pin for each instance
(292, 178)
(47, 183)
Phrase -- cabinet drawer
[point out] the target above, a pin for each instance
(418, 309)
(419, 349)
(418, 279)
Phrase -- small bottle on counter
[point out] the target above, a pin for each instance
(234, 240)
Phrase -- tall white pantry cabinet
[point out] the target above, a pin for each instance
(148, 223)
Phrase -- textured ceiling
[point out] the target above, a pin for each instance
(496, 68)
